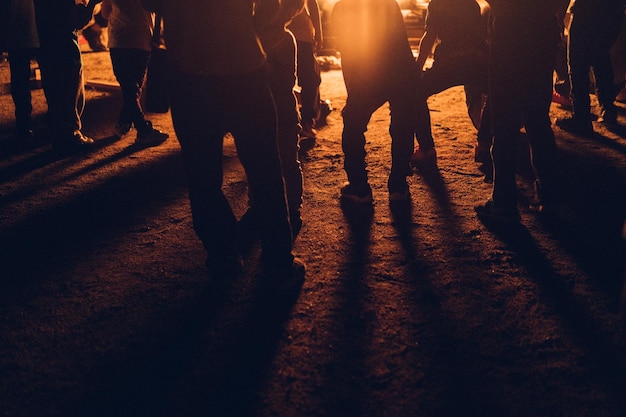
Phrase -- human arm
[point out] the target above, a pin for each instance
(83, 13)
(106, 8)
(426, 48)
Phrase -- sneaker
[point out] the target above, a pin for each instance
(285, 277)
(608, 118)
(575, 125)
(225, 267)
(80, 140)
(489, 211)
(543, 202)
(398, 190)
(424, 157)
(151, 137)
(122, 129)
(308, 131)
(361, 193)
(482, 153)
(561, 100)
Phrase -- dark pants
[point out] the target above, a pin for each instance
(19, 62)
(129, 67)
(361, 103)
(282, 79)
(589, 49)
(204, 109)
(62, 79)
(309, 80)
(520, 93)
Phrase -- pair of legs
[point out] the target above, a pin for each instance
(129, 67)
(204, 109)
(282, 79)
(520, 93)
(62, 77)
(590, 49)
(361, 103)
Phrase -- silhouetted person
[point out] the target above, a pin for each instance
(219, 85)
(524, 41)
(21, 42)
(130, 43)
(58, 23)
(307, 29)
(378, 67)
(458, 28)
(594, 28)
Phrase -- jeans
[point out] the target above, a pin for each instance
(361, 103)
(590, 49)
(282, 78)
(129, 67)
(204, 109)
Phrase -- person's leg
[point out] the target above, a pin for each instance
(251, 117)
(360, 104)
(537, 122)
(402, 131)
(19, 62)
(129, 67)
(282, 79)
(309, 80)
(579, 53)
(605, 87)
(505, 89)
(197, 117)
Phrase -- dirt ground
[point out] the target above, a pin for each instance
(106, 309)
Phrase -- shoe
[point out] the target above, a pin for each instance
(489, 211)
(424, 157)
(122, 129)
(398, 190)
(543, 202)
(561, 100)
(150, 137)
(285, 277)
(23, 134)
(608, 118)
(77, 141)
(308, 131)
(308, 136)
(80, 140)
(575, 125)
(482, 154)
(361, 193)
(224, 267)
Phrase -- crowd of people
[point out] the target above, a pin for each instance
(235, 67)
